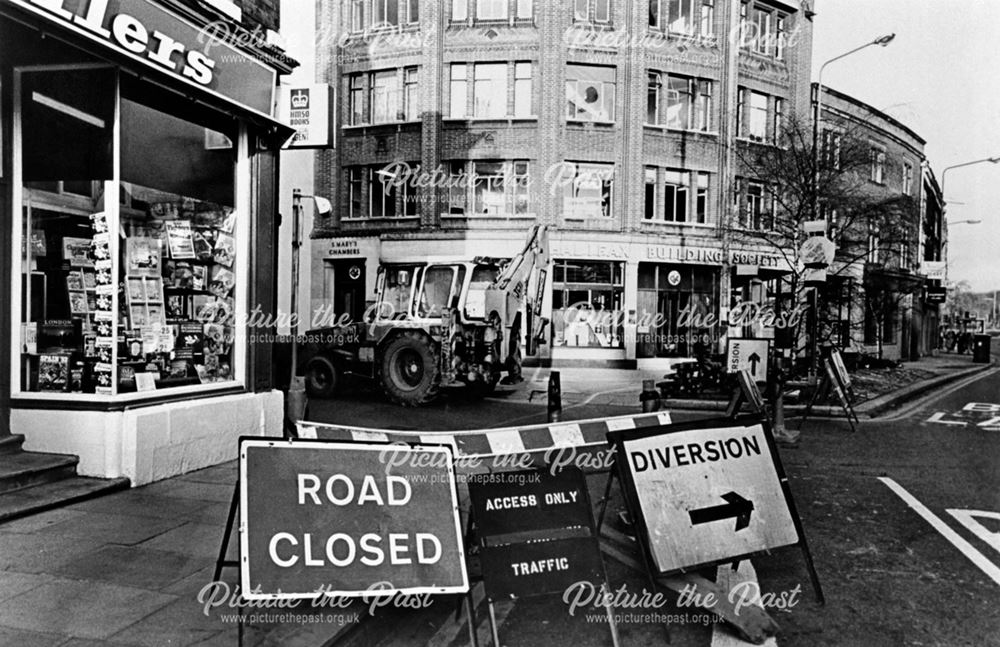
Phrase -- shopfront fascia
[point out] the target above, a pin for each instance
(142, 180)
(653, 300)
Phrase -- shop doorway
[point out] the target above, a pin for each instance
(344, 288)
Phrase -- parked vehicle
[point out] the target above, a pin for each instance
(438, 324)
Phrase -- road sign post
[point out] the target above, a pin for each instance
(837, 380)
(516, 515)
(751, 354)
(707, 493)
(306, 511)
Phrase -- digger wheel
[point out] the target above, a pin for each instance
(410, 375)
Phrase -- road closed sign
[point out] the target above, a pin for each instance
(347, 519)
(706, 493)
(750, 354)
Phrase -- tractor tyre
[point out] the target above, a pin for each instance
(409, 370)
(322, 377)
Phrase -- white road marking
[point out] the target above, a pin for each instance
(967, 549)
(727, 578)
(922, 403)
(967, 519)
(937, 417)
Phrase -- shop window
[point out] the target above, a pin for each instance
(590, 93)
(831, 148)
(458, 187)
(383, 96)
(653, 88)
(355, 182)
(489, 92)
(411, 94)
(459, 90)
(589, 190)
(707, 18)
(459, 10)
(701, 201)
(675, 201)
(907, 178)
(758, 116)
(493, 188)
(587, 298)
(877, 161)
(490, 82)
(680, 102)
(381, 14)
(491, 9)
(139, 292)
(677, 310)
(650, 202)
(755, 206)
(598, 11)
(356, 99)
(382, 194)
(522, 90)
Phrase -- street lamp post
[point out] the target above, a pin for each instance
(944, 173)
(881, 41)
(295, 399)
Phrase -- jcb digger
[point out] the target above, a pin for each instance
(439, 324)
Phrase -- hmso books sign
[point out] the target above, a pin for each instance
(307, 110)
(345, 519)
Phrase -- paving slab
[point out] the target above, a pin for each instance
(180, 623)
(195, 539)
(39, 553)
(224, 473)
(198, 490)
(83, 642)
(80, 609)
(14, 584)
(192, 584)
(149, 569)
(114, 528)
(135, 504)
(25, 638)
(40, 521)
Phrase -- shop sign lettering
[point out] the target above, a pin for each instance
(344, 247)
(164, 41)
(130, 34)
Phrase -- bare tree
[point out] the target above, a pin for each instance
(869, 224)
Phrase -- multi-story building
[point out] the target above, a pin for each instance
(462, 122)
(887, 222)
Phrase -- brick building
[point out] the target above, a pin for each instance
(875, 297)
(460, 123)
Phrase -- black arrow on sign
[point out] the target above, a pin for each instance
(736, 507)
(754, 360)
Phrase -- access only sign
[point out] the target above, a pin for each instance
(344, 518)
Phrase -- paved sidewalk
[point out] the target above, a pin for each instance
(620, 387)
(126, 570)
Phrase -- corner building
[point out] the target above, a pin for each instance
(460, 123)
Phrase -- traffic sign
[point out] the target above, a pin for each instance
(335, 518)
(750, 354)
(531, 500)
(706, 492)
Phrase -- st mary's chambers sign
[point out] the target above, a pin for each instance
(156, 37)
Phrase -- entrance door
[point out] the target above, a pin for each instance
(346, 288)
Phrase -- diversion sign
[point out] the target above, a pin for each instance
(705, 492)
(344, 518)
